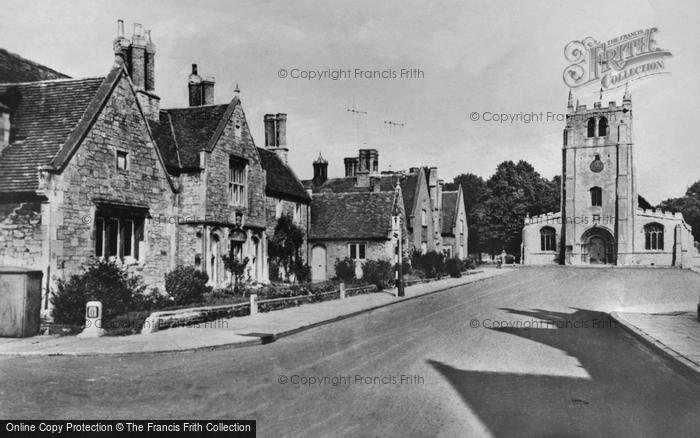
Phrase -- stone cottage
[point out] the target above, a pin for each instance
(94, 168)
(81, 176)
(360, 216)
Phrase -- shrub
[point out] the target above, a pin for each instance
(237, 269)
(274, 270)
(103, 281)
(186, 284)
(301, 271)
(379, 273)
(345, 269)
(469, 264)
(453, 266)
(432, 263)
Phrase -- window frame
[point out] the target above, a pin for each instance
(424, 218)
(360, 250)
(654, 234)
(111, 232)
(596, 196)
(548, 239)
(119, 153)
(237, 181)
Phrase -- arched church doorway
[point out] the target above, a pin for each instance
(598, 246)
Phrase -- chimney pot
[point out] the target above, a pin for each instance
(120, 28)
(137, 29)
(194, 69)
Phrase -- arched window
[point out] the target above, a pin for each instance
(654, 236)
(591, 127)
(602, 127)
(548, 238)
(596, 196)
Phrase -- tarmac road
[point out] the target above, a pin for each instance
(523, 354)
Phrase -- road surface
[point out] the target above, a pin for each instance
(529, 353)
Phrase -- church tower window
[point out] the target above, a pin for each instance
(591, 127)
(602, 127)
(596, 196)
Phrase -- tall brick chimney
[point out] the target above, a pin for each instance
(276, 134)
(138, 56)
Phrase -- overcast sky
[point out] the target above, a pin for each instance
(503, 57)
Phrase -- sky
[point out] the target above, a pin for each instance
(474, 56)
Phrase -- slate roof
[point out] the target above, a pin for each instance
(409, 186)
(14, 69)
(281, 180)
(356, 215)
(44, 115)
(182, 132)
(449, 211)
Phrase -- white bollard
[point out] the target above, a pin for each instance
(253, 304)
(342, 291)
(93, 320)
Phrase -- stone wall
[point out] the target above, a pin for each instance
(21, 235)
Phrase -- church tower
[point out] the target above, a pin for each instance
(599, 193)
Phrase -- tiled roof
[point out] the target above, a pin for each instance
(409, 186)
(449, 211)
(194, 127)
(342, 216)
(281, 180)
(44, 116)
(14, 69)
(349, 185)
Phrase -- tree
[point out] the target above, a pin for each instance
(473, 187)
(237, 269)
(284, 246)
(689, 206)
(512, 192)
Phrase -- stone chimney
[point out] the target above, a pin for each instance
(351, 164)
(320, 170)
(373, 160)
(208, 90)
(194, 85)
(375, 184)
(432, 183)
(138, 57)
(276, 134)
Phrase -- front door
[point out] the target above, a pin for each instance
(318, 263)
(596, 250)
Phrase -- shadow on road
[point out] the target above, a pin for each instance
(630, 392)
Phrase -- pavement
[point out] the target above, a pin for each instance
(233, 332)
(676, 334)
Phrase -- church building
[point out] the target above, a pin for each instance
(600, 221)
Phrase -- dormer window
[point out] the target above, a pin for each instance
(122, 160)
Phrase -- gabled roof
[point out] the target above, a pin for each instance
(44, 114)
(14, 69)
(409, 189)
(347, 216)
(181, 133)
(281, 180)
(449, 211)
(50, 119)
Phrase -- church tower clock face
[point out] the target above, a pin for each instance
(597, 165)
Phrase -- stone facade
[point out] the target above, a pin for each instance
(91, 180)
(600, 221)
(20, 234)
